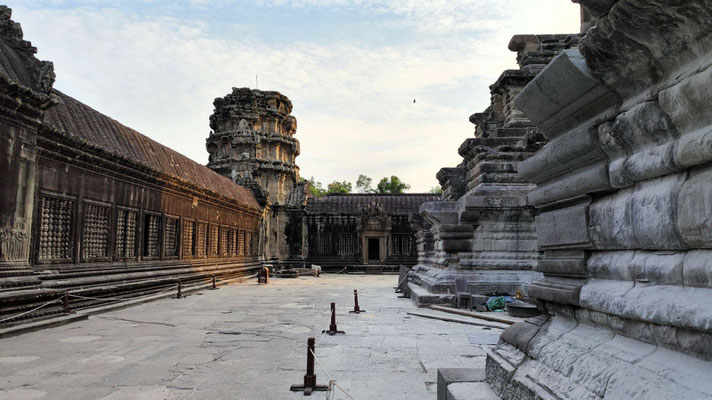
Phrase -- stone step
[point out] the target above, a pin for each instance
(422, 297)
(470, 391)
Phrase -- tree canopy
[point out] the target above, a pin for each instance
(363, 184)
(316, 189)
(392, 185)
(338, 187)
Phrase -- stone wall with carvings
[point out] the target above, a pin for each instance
(623, 191)
(95, 208)
(25, 84)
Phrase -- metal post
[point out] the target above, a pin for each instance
(357, 309)
(214, 287)
(310, 377)
(333, 329)
(179, 295)
(65, 303)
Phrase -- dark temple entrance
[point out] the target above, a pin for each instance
(374, 253)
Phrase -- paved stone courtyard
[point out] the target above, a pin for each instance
(244, 341)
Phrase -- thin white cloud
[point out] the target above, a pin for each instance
(353, 100)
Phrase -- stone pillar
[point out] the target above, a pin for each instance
(23, 100)
(623, 195)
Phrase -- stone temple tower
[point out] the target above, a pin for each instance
(252, 142)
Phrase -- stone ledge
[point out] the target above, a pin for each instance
(422, 297)
(448, 376)
(86, 313)
(470, 391)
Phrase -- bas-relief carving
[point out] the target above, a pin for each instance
(14, 245)
(243, 127)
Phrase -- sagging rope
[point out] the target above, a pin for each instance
(102, 299)
(32, 310)
(325, 332)
(401, 281)
(150, 294)
(332, 381)
(122, 298)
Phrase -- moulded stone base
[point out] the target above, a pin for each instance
(567, 359)
(441, 281)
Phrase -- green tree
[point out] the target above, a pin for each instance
(337, 187)
(315, 188)
(436, 190)
(363, 184)
(393, 185)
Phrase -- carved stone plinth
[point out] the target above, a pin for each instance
(623, 196)
(485, 232)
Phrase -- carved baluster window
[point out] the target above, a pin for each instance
(125, 234)
(347, 244)
(56, 234)
(323, 244)
(233, 242)
(251, 244)
(152, 236)
(201, 242)
(240, 243)
(189, 239)
(402, 244)
(214, 240)
(95, 232)
(171, 239)
(225, 239)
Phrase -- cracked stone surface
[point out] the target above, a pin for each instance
(243, 342)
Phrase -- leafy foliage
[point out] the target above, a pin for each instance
(339, 188)
(393, 185)
(315, 188)
(436, 190)
(363, 184)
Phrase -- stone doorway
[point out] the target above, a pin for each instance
(374, 250)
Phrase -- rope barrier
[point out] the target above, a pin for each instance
(325, 332)
(104, 298)
(330, 378)
(32, 310)
(401, 281)
(122, 298)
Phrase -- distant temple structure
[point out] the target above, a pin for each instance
(252, 142)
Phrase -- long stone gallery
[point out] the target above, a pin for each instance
(583, 199)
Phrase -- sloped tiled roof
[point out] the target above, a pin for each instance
(80, 121)
(392, 204)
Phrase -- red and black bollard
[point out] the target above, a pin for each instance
(357, 309)
(333, 330)
(310, 378)
(179, 295)
(65, 303)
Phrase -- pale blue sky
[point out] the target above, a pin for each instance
(351, 67)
